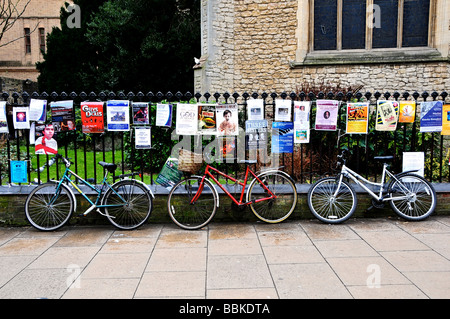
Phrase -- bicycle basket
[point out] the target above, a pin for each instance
(189, 162)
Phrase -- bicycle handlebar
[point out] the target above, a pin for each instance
(53, 160)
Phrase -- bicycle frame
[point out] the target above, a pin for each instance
(243, 184)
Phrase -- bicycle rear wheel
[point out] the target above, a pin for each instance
(416, 197)
(329, 208)
(198, 214)
(48, 207)
(130, 204)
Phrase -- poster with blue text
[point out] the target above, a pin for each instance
(282, 137)
(19, 172)
(431, 116)
(118, 115)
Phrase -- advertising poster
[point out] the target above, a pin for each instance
(143, 137)
(387, 113)
(118, 115)
(38, 110)
(19, 172)
(445, 119)
(140, 113)
(169, 175)
(45, 142)
(407, 112)
(164, 115)
(255, 109)
(256, 134)
(186, 121)
(63, 117)
(326, 115)
(3, 119)
(357, 118)
(207, 119)
(301, 121)
(227, 118)
(282, 110)
(431, 116)
(21, 119)
(282, 137)
(227, 146)
(92, 117)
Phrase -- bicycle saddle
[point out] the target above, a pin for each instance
(109, 166)
(383, 158)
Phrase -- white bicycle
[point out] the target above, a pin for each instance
(333, 200)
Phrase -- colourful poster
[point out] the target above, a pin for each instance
(141, 114)
(282, 137)
(45, 143)
(63, 118)
(207, 119)
(227, 118)
(431, 116)
(3, 119)
(118, 115)
(326, 115)
(301, 121)
(19, 172)
(407, 112)
(92, 117)
(445, 119)
(357, 118)
(387, 115)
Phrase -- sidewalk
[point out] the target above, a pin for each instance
(362, 258)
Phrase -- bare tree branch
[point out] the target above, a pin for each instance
(10, 12)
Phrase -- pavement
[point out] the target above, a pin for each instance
(297, 259)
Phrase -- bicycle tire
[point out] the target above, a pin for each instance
(273, 210)
(138, 205)
(420, 204)
(327, 208)
(192, 216)
(46, 212)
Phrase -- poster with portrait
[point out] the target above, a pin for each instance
(227, 119)
(255, 109)
(38, 110)
(186, 120)
(387, 115)
(3, 118)
(283, 110)
(326, 115)
(92, 117)
(407, 113)
(45, 142)
(140, 113)
(431, 116)
(207, 119)
(357, 118)
(445, 119)
(282, 137)
(63, 117)
(21, 119)
(118, 115)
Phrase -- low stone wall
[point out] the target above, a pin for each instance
(12, 200)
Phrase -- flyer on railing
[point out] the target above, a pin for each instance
(357, 118)
(227, 118)
(326, 115)
(3, 119)
(118, 115)
(140, 113)
(21, 118)
(387, 115)
(445, 119)
(38, 110)
(164, 115)
(63, 118)
(92, 117)
(431, 116)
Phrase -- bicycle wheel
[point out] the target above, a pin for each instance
(130, 204)
(416, 197)
(48, 207)
(272, 210)
(327, 207)
(195, 215)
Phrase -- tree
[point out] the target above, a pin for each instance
(10, 12)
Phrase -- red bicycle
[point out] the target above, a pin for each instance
(193, 202)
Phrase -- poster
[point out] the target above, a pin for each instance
(143, 137)
(19, 172)
(169, 175)
(92, 117)
(38, 110)
(255, 109)
(118, 115)
(140, 113)
(282, 137)
(227, 146)
(45, 143)
(207, 119)
(21, 118)
(357, 118)
(282, 110)
(256, 134)
(326, 115)
(431, 116)
(164, 115)
(414, 160)
(301, 121)
(227, 118)
(387, 114)
(186, 121)
(3, 119)
(63, 117)
(445, 119)
(407, 112)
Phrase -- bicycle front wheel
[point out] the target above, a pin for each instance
(279, 208)
(128, 204)
(189, 214)
(412, 197)
(330, 206)
(49, 206)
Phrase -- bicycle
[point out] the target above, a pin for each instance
(333, 200)
(127, 203)
(193, 202)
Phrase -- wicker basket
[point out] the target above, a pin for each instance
(189, 162)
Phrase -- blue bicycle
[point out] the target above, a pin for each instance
(127, 203)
